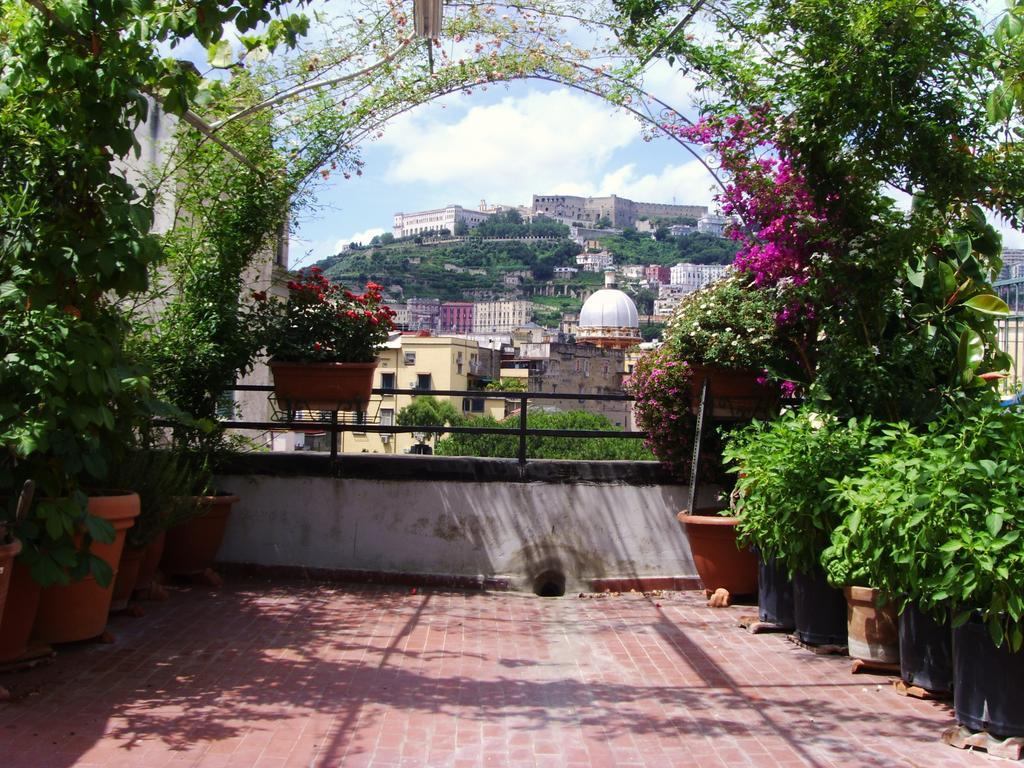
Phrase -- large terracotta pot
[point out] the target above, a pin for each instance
(19, 613)
(720, 563)
(7, 554)
(150, 562)
(127, 575)
(873, 632)
(192, 546)
(323, 386)
(78, 611)
(734, 394)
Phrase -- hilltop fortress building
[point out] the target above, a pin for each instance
(620, 211)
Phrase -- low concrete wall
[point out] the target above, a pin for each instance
(460, 521)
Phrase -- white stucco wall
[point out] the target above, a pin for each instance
(490, 529)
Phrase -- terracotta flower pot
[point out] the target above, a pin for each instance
(323, 386)
(873, 633)
(720, 563)
(78, 611)
(150, 562)
(7, 554)
(127, 575)
(734, 394)
(192, 546)
(19, 613)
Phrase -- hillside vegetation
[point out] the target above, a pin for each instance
(475, 266)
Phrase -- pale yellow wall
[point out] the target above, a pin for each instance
(437, 356)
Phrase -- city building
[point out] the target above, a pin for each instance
(632, 271)
(423, 314)
(1013, 263)
(490, 317)
(609, 318)
(565, 273)
(669, 297)
(657, 274)
(408, 224)
(455, 317)
(690, 277)
(425, 363)
(713, 224)
(595, 262)
(619, 211)
(573, 369)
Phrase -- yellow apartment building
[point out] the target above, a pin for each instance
(426, 364)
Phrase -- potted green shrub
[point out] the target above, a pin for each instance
(871, 617)
(727, 334)
(936, 517)
(158, 477)
(783, 505)
(323, 343)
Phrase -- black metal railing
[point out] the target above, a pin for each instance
(338, 422)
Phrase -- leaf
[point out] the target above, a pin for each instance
(915, 275)
(220, 54)
(994, 523)
(988, 304)
(970, 351)
(995, 630)
(100, 570)
(921, 311)
(101, 530)
(961, 244)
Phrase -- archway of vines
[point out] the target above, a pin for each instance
(813, 108)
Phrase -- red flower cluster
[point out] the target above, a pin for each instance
(324, 322)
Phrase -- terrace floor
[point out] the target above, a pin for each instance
(270, 676)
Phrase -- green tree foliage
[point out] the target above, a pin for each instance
(693, 248)
(510, 224)
(430, 279)
(428, 411)
(588, 449)
(75, 236)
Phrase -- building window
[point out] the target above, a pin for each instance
(387, 381)
(410, 358)
(423, 381)
(387, 417)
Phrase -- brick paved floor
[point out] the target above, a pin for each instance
(255, 676)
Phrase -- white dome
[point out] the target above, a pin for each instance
(609, 308)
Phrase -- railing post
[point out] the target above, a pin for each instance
(334, 435)
(522, 431)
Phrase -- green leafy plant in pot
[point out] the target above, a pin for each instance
(323, 343)
(782, 502)
(729, 326)
(936, 517)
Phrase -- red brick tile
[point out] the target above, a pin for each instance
(258, 676)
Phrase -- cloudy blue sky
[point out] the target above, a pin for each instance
(503, 144)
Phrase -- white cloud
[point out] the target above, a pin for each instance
(362, 238)
(508, 151)
(686, 184)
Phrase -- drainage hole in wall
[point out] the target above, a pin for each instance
(549, 584)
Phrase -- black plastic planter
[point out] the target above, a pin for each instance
(818, 609)
(774, 594)
(926, 651)
(988, 688)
